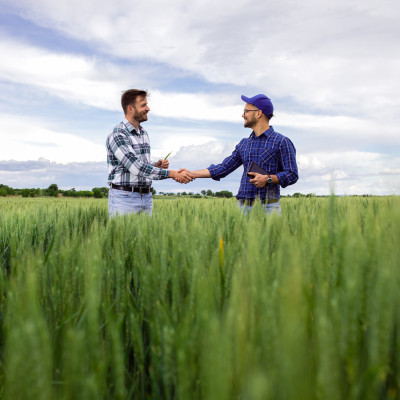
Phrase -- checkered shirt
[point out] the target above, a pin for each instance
(271, 151)
(128, 157)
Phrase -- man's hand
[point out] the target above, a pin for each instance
(164, 164)
(259, 180)
(181, 176)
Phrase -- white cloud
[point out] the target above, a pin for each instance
(42, 173)
(88, 81)
(201, 156)
(351, 172)
(340, 56)
(70, 77)
(26, 139)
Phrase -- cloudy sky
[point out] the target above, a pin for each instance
(330, 69)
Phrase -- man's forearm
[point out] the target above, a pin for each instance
(202, 173)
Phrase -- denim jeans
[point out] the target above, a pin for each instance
(268, 208)
(121, 202)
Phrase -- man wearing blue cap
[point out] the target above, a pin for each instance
(270, 150)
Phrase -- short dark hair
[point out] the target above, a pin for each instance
(129, 97)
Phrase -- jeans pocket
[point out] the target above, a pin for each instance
(121, 194)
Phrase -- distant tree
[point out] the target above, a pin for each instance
(209, 192)
(7, 189)
(153, 191)
(85, 193)
(70, 193)
(51, 191)
(30, 192)
(184, 194)
(97, 193)
(224, 193)
(203, 192)
(3, 192)
(25, 192)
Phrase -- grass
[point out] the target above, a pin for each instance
(200, 301)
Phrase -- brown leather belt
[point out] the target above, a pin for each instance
(250, 202)
(137, 189)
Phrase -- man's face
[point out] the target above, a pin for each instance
(249, 115)
(140, 109)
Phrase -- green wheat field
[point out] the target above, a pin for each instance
(200, 301)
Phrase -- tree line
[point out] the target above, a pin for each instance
(52, 191)
(97, 192)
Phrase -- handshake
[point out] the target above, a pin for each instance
(182, 176)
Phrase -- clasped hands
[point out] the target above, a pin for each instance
(181, 176)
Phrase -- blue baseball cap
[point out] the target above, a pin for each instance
(262, 102)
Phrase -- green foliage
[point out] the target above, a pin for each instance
(6, 190)
(29, 192)
(200, 301)
(97, 193)
(78, 193)
(224, 193)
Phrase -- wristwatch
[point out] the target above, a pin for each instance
(269, 179)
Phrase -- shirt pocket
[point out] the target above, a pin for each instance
(267, 158)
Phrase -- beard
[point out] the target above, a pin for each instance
(249, 123)
(140, 116)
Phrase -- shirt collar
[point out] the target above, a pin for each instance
(267, 133)
(131, 129)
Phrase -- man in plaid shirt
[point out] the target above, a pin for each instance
(130, 171)
(270, 150)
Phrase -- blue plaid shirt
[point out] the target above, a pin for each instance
(271, 151)
(128, 157)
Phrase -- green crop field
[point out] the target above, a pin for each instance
(200, 301)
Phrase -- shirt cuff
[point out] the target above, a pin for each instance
(214, 172)
(164, 174)
(283, 181)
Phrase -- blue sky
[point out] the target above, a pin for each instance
(330, 69)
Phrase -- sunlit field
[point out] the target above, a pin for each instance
(200, 301)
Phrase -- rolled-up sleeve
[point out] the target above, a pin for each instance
(287, 155)
(228, 165)
(122, 150)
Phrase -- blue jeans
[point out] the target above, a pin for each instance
(121, 202)
(268, 208)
